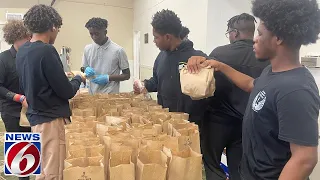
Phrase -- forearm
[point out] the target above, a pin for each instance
(241, 80)
(121, 77)
(150, 85)
(297, 170)
(6, 94)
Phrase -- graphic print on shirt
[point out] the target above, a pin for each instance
(259, 101)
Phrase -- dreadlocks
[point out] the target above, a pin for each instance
(243, 22)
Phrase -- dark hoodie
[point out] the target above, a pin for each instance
(166, 80)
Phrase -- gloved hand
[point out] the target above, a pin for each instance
(89, 71)
(101, 79)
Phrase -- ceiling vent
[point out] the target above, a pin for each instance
(14, 16)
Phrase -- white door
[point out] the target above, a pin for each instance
(136, 53)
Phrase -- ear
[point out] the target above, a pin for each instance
(279, 41)
(106, 31)
(168, 36)
(237, 33)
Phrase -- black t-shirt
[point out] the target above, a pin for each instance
(44, 83)
(9, 83)
(229, 101)
(283, 108)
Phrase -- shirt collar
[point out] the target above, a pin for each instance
(13, 52)
(105, 45)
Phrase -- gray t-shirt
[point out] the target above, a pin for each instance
(110, 59)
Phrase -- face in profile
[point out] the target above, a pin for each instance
(161, 41)
(265, 43)
(98, 35)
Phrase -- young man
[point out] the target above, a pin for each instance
(222, 123)
(46, 88)
(104, 59)
(15, 34)
(166, 76)
(280, 125)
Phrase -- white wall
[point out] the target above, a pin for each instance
(219, 12)
(194, 16)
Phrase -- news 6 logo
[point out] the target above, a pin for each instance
(22, 152)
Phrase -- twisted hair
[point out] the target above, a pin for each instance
(97, 23)
(41, 18)
(15, 30)
(167, 22)
(241, 22)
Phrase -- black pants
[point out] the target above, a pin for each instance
(12, 125)
(216, 137)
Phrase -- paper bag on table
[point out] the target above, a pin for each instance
(120, 166)
(188, 138)
(198, 86)
(24, 122)
(81, 151)
(84, 168)
(184, 165)
(151, 165)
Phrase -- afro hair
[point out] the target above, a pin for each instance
(184, 32)
(41, 18)
(97, 23)
(15, 30)
(296, 22)
(167, 22)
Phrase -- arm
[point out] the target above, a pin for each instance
(298, 124)
(124, 66)
(56, 77)
(301, 164)
(4, 92)
(241, 80)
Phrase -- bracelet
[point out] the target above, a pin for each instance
(22, 98)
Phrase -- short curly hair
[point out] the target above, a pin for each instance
(184, 32)
(15, 30)
(41, 18)
(296, 22)
(167, 22)
(97, 23)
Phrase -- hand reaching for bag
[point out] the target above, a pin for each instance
(196, 63)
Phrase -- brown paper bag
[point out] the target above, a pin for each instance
(188, 138)
(184, 165)
(84, 168)
(198, 86)
(24, 122)
(120, 166)
(81, 151)
(151, 165)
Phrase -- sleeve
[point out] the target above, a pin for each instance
(85, 62)
(298, 114)
(152, 84)
(53, 71)
(123, 59)
(3, 91)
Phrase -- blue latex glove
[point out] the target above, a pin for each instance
(89, 71)
(101, 79)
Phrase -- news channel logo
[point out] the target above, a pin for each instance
(22, 154)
